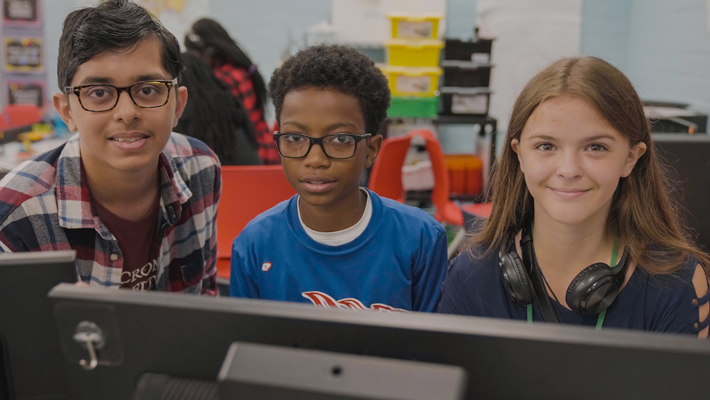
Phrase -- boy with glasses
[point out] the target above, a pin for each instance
(335, 244)
(137, 202)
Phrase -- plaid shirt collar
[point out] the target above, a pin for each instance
(74, 204)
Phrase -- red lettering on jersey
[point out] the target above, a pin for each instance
(320, 299)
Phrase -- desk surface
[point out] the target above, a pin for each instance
(9, 157)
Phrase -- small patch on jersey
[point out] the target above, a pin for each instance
(266, 266)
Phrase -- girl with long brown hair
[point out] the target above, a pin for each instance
(579, 185)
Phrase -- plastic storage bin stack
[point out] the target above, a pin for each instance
(465, 174)
(412, 67)
(467, 74)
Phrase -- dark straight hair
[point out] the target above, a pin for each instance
(208, 37)
(212, 114)
(113, 25)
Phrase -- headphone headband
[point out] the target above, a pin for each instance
(590, 292)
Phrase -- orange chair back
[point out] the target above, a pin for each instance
(446, 210)
(386, 174)
(247, 191)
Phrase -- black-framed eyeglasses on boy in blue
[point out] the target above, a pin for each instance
(338, 146)
(104, 97)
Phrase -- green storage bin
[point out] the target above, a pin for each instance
(413, 107)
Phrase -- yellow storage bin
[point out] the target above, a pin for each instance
(412, 81)
(415, 27)
(414, 53)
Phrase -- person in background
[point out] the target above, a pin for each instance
(137, 202)
(214, 116)
(231, 64)
(335, 244)
(582, 229)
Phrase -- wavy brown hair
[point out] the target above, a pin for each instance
(642, 215)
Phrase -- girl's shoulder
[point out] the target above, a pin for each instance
(472, 261)
(675, 302)
(473, 286)
(679, 280)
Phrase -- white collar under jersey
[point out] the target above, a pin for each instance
(340, 237)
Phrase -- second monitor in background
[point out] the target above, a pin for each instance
(689, 158)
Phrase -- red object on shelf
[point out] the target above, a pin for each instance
(21, 115)
(465, 173)
(247, 191)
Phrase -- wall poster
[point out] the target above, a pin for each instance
(25, 92)
(20, 12)
(23, 54)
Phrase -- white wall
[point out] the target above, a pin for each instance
(662, 45)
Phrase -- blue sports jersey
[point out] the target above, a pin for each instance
(398, 263)
(662, 303)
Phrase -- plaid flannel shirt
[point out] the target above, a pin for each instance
(242, 88)
(45, 204)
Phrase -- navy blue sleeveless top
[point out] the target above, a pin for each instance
(665, 303)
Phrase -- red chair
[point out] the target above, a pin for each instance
(247, 191)
(386, 177)
(386, 174)
(22, 114)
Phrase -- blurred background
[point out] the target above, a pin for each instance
(455, 68)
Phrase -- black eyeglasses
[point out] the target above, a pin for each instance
(103, 97)
(338, 146)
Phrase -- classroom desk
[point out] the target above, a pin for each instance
(9, 156)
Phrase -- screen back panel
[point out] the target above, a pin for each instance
(189, 337)
(27, 323)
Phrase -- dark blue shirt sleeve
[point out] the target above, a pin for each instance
(675, 309)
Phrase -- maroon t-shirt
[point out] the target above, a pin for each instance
(138, 241)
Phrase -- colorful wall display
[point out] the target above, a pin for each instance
(23, 78)
(29, 92)
(21, 12)
(23, 54)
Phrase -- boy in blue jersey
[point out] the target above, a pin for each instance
(335, 244)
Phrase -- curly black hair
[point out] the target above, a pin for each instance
(335, 67)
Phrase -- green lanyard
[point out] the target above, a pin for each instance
(602, 315)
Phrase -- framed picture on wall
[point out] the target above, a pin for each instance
(21, 12)
(23, 54)
(25, 92)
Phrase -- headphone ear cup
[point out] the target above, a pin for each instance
(592, 290)
(515, 278)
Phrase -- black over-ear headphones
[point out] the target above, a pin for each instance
(589, 293)
(515, 278)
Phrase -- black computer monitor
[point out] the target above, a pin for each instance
(186, 336)
(31, 355)
(689, 156)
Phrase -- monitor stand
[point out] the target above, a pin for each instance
(255, 371)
